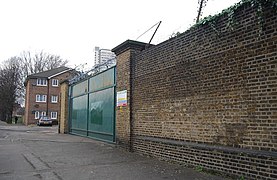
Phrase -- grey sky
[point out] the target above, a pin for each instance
(72, 28)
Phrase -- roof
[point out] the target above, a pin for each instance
(50, 73)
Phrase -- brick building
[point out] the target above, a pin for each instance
(42, 94)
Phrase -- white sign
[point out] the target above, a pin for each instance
(121, 98)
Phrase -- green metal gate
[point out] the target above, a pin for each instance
(92, 106)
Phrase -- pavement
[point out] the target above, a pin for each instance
(32, 152)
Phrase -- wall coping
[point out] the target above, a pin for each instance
(127, 45)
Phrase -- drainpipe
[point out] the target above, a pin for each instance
(48, 98)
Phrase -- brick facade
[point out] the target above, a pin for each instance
(32, 90)
(64, 115)
(125, 52)
(207, 97)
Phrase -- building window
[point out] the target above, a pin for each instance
(55, 82)
(41, 82)
(43, 113)
(41, 98)
(54, 99)
(54, 115)
(37, 115)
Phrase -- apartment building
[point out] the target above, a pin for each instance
(102, 55)
(43, 94)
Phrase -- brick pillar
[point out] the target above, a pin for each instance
(63, 121)
(125, 61)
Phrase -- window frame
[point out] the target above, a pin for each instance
(41, 82)
(55, 84)
(54, 97)
(54, 115)
(37, 115)
(39, 98)
(43, 113)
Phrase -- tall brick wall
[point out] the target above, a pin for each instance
(125, 53)
(208, 97)
(123, 113)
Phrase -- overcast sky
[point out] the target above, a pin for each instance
(72, 28)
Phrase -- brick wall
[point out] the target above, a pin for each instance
(123, 114)
(125, 52)
(208, 97)
(231, 162)
(63, 121)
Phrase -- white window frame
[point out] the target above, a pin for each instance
(54, 99)
(55, 82)
(43, 113)
(37, 115)
(41, 82)
(41, 98)
(54, 115)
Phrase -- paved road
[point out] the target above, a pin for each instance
(28, 153)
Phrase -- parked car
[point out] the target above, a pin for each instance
(44, 120)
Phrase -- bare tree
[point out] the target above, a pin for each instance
(10, 87)
(40, 62)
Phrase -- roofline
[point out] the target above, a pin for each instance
(59, 73)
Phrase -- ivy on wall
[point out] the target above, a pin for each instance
(211, 20)
(260, 4)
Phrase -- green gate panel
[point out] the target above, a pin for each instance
(80, 89)
(101, 114)
(79, 114)
(101, 81)
(92, 106)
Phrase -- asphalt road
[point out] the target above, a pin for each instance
(31, 152)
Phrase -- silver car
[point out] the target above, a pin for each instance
(44, 120)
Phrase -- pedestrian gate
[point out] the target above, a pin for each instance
(92, 106)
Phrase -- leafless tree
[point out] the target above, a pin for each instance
(10, 86)
(40, 62)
